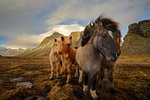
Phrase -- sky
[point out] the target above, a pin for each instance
(25, 23)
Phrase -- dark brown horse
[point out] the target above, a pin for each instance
(98, 38)
(110, 66)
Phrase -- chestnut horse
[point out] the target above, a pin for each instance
(68, 57)
(98, 38)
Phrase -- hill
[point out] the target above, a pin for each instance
(137, 40)
(45, 46)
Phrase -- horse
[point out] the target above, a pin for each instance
(55, 57)
(68, 57)
(110, 66)
(98, 38)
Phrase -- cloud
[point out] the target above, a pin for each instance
(20, 17)
(23, 22)
(31, 41)
(122, 10)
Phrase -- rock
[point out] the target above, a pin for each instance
(133, 28)
(137, 39)
(145, 27)
(142, 28)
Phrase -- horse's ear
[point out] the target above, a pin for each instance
(55, 40)
(92, 24)
(62, 38)
(100, 24)
(70, 37)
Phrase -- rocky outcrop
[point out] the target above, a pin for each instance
(142, 28)
(137, 40)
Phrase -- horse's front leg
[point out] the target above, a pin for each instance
(57, 69)
(69, 72)
(110, 78)
(76, 72)
(101, 77)
(93, 86)
(52, 70)
(85, 81)
(62, 71)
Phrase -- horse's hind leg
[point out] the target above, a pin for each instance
(93, 86)
(85, 81)
(80, 76)
(110, 78)
(76, 73)
(52, 71)
(57, 70)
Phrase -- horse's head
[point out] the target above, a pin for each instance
(66, 40)
(58, 46)
(66, 43)
(104, 42)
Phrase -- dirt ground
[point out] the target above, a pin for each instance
(26, 78)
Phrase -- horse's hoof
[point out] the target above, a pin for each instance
(100, 87)
(51, 78)
(79, 82)
(85, 93)
(112, 90)
(64, 76)
(76, 76)
(67, 82)
(95, 99)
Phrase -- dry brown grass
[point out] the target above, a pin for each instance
(132, 80)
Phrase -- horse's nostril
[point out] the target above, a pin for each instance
(113, 59)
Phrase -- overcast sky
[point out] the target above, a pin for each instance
(25, 23)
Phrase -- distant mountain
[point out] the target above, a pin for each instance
(11, 52)
(44, 48)
(137, 40)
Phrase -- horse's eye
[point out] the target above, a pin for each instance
(104, 36)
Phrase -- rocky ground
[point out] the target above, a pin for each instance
(25, 78)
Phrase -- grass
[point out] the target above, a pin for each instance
(131, 80)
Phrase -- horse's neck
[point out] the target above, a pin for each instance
(53, 50)
(66, 50)
(92, 38)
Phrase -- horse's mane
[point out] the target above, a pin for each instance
(108, 24)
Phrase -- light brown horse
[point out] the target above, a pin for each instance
(68, 57)
(55, 57)
(98, 38)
